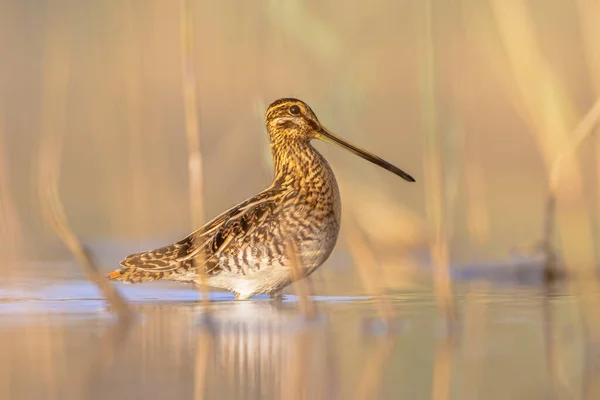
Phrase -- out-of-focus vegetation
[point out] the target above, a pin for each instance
(125, 125)
(361, 67)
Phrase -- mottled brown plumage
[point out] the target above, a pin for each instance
(244, 250)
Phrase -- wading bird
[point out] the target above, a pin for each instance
(245, 250)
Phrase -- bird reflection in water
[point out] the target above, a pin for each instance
(262, 350)
(249, 350)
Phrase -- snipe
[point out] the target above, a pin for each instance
(244, 250)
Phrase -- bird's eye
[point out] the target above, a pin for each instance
(294, 110)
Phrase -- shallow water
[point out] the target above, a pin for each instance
(59, 341)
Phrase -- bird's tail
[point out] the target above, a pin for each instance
(163, 263)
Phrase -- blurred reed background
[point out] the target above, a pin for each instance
(126, 124)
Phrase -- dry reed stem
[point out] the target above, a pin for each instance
(192, 126)
(203, 351)
(590, 32)
(476, 207)
(300, 283)
(540, 98)
(295, 387)
(442, 369)
(597, 205)
(478, 219)
(555, 365)
(297, 373)
(369, 386)
(192, 121)
(474, 329)
(434, 187)
(550, 112)
(591, 378)
(49, 355)
(104, 353)
(593, 390)
(10, 226)
(55, 84)
(135, 138)
(582, 131)
(368, 269)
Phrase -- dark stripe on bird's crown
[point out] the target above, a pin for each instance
(278, 105)
(285, 103)
(284, 100)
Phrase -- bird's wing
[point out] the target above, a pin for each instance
(202, 248)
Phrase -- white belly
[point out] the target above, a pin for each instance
(314, 253)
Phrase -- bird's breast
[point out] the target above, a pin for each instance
(317, 223)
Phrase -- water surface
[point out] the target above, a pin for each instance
(60, 341)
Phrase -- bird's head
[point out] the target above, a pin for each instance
(291, 120)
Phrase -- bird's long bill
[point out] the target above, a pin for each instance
(327, 136)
